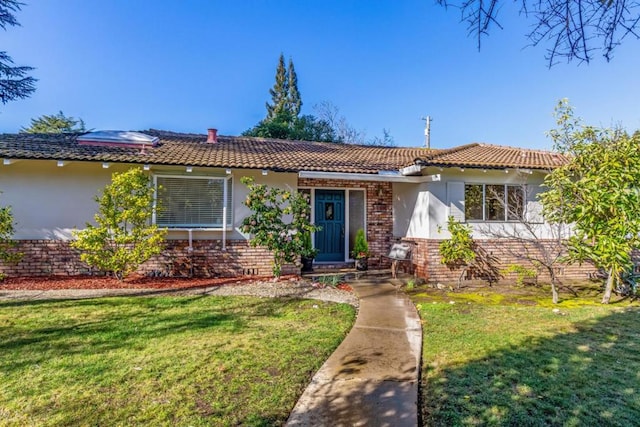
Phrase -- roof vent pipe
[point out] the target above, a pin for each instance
(212, 136)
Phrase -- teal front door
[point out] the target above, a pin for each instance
(329, 214)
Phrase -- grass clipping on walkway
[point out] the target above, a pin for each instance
(492, 364)
(162, 360)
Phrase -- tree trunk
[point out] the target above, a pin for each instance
(609, 287)
(554, 287)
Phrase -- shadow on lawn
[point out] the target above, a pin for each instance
(100, 325)
(587, 377)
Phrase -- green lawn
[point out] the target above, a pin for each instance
(494, 361)
(162, 360)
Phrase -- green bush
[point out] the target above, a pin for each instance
(360, 245)
(7, 253)
(123, 238)
(266, 223)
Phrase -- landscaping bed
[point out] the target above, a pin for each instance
(45, 283)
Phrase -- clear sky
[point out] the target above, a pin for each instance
(189, 65)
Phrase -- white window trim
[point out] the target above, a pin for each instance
(227, 221)
(484, 205)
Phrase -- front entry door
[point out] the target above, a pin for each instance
(329, 214)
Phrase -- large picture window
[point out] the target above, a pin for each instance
(490, 202)
(193, 202)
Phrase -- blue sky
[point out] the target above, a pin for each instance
(186, 66)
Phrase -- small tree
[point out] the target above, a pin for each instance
(459, 250)
(7, 254)
(266, 224)
(123, 238)
(597, 192)
(542, 245)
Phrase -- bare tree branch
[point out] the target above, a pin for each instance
(573, 29)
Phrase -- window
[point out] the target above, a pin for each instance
(490, 202)
(193, 202)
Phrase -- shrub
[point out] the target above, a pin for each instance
(7, 254)
(266, 223)
(123, 238)
(360, 245)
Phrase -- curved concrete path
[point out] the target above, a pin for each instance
(372, 377)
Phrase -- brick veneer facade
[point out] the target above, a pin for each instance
(379, 213)
(426, 259)
(56, 257)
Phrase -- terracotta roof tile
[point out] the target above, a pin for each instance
(261, 153)
(495, 156)
(228, 152)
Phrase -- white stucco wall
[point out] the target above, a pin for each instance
(411, 210)
(48, 201)
(421, 209)
(443, 203)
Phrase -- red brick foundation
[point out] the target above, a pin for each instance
(503, 252)
(207, 259)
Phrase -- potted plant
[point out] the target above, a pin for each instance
(361, 251)
(308, 252)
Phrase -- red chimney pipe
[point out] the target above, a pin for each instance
(212, 136)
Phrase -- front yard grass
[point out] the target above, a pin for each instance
(512, 361)
(162, 360)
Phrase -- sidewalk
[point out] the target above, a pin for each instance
(372, 377)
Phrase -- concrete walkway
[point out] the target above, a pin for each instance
(372, 377)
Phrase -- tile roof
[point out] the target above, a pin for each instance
(182, 149)
(495, 156)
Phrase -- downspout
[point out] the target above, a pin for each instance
(190, 248)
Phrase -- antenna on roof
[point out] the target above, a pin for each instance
(427, 131)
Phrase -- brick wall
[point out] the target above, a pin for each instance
(502, 252)
(56, 257)
(379, 213)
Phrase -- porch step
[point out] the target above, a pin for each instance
(345, 273)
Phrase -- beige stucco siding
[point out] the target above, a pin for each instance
(48, 201)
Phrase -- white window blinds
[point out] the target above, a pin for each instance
(192, 202)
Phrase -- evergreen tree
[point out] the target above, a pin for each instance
(294, 101)
(55, 123)
(14, 82)
(279, 92)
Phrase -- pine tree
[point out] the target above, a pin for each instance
(55, 123)
(279, 92)
(294, 101)
(14, 82)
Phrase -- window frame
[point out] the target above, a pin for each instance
(227, 203)
(505, 195)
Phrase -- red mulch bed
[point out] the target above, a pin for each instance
(45, 283)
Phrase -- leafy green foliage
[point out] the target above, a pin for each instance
(596, 191)
(14, 81)
(123, 238)
(285, 126)
(266, 223)
(459, 249)
(521, 272)
(360, 245)
(7, 254)
(55, 123)
(308, 251)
